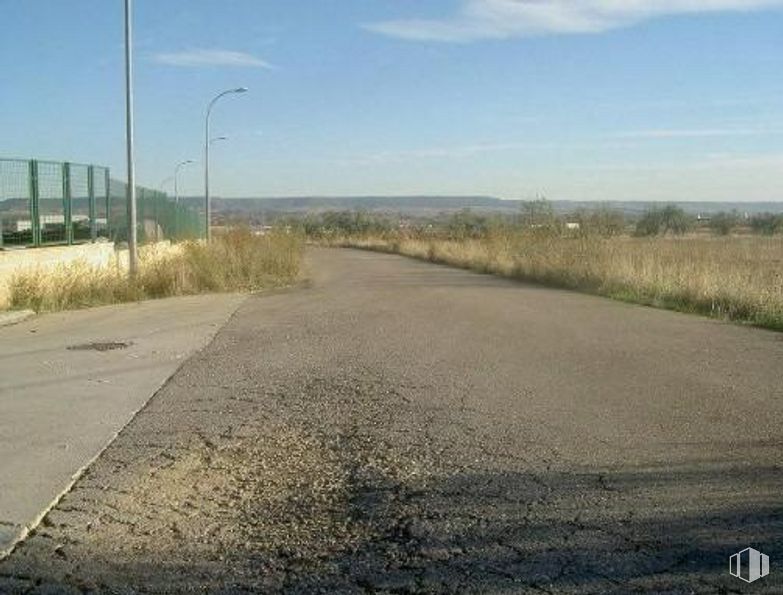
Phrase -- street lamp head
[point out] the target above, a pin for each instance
(207, 142)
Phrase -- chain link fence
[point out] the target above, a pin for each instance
(158, 216)
(52, 203)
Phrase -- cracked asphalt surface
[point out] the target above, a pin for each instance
(400, 427)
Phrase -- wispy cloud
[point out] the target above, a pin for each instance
(744, 160)
(458, 151)
(500, 19)
(212, 57)
(665, 133)
(444, 152)
(714, 162)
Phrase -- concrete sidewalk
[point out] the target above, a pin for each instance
(62, 400)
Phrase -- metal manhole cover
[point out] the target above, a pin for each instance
(101, 346)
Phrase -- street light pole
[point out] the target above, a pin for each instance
(207, 143)
(176, 175)
(133, 262)
(176, 195)
(165, 183)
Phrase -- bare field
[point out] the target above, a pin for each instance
(733, 278)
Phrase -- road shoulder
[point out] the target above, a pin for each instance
(69, 383)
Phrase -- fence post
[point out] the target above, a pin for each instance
(108, 204)
(67, 203)
(35, 222)
(141, 218)
(174, 210)
(2, 230)
(91, 195)
(155, 214)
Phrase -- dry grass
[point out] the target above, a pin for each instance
(733, 278)
(234, 261)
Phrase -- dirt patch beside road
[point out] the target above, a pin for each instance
(275, 502)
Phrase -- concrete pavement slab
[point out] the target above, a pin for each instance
(69, 382)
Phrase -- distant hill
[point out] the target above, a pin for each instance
(428, 206)
(432, 205)
(386, 204)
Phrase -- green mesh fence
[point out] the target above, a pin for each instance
(16, 220)
(81, 213)
(100, 189)
(49, 203)
(158, 216)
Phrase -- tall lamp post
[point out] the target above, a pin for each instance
(133, 262)
(207, 143)
(176, 178)
(212, 141)
(165, 183)
(176, 194)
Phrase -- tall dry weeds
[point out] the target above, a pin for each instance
(234, 261)
(733, 278)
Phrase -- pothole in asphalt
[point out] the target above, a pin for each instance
(101, 346)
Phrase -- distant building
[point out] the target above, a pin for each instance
(21, 225)
(262, 230)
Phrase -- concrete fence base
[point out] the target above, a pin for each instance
(14, 261)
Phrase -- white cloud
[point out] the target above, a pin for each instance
(693, 133)
(215, 57)
(742, 160)
(501, 19)
(436, 152)
(457, 151)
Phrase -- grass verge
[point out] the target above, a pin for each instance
(234, 261)
(730, 278)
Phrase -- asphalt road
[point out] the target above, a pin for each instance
(403, 427)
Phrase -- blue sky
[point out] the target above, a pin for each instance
(591, 100)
